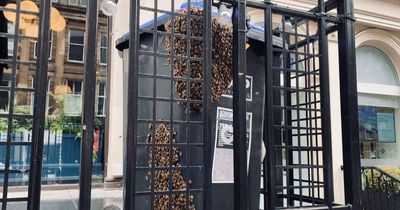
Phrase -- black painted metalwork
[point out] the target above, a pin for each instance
(11, 63)
(239, 105)
(162, 108)
(88, 111)
(207, 147)
(297, 172)
(380, 190)
(349, 104)
(297, 107)
(130, 141)
(325, 104)
(39, 112)
(269, 174)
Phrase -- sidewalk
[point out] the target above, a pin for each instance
(68, 199)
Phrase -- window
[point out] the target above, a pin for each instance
(103, 49)
(35, 46)
(76, 45)
(378, 109)
(101, 104)
(10, 42)
(375, 67)
(376, 124)
(82, 3)
(4, 94)
(73, 100)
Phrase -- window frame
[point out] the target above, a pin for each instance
(378, 112)
(12, 40)
(8, 80)
(80, 94)
(69, 46)
(35, 42)
(103, 35)
(102, 97)
(78, 3)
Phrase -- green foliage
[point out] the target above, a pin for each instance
(375, 180)
(56, 122)
(20, 124)
(22, 109)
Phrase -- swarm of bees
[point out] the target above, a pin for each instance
(162, 159)
(183, 48)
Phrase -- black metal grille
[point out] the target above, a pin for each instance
(163, 123)
(298, 169)
(10, 63)
(170, 167)
(299, 142)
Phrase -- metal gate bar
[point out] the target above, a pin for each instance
(325, 104)
(88, 106)
(131, 138)
(239, 105)
(269, 174)
(39, 112)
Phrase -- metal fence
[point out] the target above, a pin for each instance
(380, 190)
(297, 131)
(14, 62)
(163, 171)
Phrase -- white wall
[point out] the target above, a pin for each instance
(337, 153)
(114, 159)
(120, 27)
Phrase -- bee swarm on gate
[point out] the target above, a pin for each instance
(161, 178)
(221, 56)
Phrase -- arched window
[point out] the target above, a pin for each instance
(374, 67)
(378, 96)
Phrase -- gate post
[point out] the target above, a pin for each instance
(207, 69)
(239, 105)
(130, 141)
(89, 94)
(325, 104)
(349, 105)
(269, 172)
(39, 112)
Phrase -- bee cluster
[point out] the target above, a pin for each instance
(161, 178)
(221, 55)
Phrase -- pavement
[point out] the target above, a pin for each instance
(67, 199)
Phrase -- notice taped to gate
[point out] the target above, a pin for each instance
(223, 152)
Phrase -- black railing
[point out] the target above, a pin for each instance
(380, 190)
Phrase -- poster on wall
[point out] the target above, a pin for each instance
(222, 171)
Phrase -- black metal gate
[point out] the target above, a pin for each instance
(11, 61)
(167, 167)
(298, 167)
(167, 161)
(12, 11)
